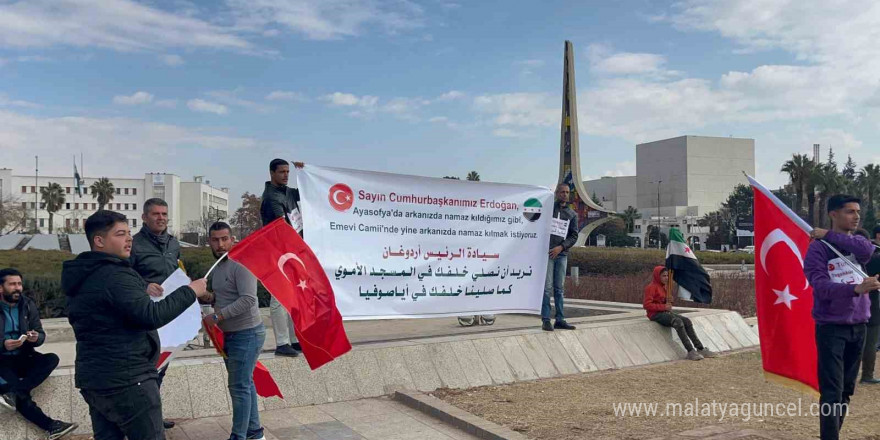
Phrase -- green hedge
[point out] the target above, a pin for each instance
(617, 261)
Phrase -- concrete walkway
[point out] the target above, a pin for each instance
(379, 418)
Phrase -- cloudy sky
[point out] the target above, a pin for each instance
(426, 87)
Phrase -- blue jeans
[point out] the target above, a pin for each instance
(554, 285)
(242, 349)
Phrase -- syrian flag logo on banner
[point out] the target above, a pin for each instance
(532, 209)
(341, 197)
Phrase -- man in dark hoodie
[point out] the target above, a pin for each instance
(279, 201)
(115, 323)
(21, 367)
(562, 239)
(155, 255)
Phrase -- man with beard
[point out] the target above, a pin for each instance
(154, 255)
(560, 242)
(279, 201)
(237, 313)
(115, 323)
(21, 367)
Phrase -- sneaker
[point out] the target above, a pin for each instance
(562, 325)
(7, 400)
(546, 326)
(60, 429)
(694, 356)
(286, 350)
(706, 353)
(467, 321)
(168, 424)
(296, 346)
(487, 319)
(870, 381)
(261, 437)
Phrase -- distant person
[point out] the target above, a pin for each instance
(237, 313)
(659, 309)
(841, 309)
(872, 334)
(21, 367)
(155, 255)
(557, 264)
(115, 323)
(279, 201)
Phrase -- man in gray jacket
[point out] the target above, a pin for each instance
(237, 313)
(154, 255)
(279, 200)
(563, 236)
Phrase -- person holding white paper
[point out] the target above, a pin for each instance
(563, 235)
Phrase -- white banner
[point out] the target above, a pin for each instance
(399, 246)
(185, 327)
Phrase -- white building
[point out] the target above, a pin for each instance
(615, 193)
(184, 199)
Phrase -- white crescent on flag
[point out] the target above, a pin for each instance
(284, 258)
(778, 236)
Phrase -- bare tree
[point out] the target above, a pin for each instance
(13, 215)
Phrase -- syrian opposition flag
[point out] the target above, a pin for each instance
(77, 181)
(692, 280)
(289, 270)
(783, 296)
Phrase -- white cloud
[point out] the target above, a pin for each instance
(281, 95)
(231, 98)
(200, 105)
(6, 102)
(171, 60)
(137, 98)
(328, 19)
(451, 95)
(349, 100)
(604, 60)
(122, 25)
(626, 168)
(520, 109)
(439, 119)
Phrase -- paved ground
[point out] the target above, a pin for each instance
(379, 419)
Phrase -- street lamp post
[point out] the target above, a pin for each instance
(658, 212)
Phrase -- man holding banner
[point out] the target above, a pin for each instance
(237, 313)
(563, 235)
(840, 308)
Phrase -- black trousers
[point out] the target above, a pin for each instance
(869, 356)
(133, 412)
(683, 326)
(840, 353)
(23, 373)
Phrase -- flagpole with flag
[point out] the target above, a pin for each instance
(783, 296)
(692, 281)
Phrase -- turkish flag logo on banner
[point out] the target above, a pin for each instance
(289, 270)
(783, 296)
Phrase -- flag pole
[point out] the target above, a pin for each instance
(215, 265)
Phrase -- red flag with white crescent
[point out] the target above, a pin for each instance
(289, 270)
(783, 296)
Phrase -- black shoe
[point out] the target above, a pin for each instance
(562, 325)
(546, 326)
(286, 350)
(60, 429)
(871, 381)
(7, 400)
(168, 424)
(296, 346)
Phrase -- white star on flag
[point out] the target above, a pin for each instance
(302, 284)
(784, 297)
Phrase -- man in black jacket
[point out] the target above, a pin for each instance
(115, 323)
(21, 367)
(279, 201)
(154, 255)
(564, 233)
(872, 336)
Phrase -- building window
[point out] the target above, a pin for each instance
(94, 206)
(23, 205)
(126, 191)
(33, 189)
(67, 223)
(85, 189)
(23, 189)
(67, 190)
(67, 206)
(118, 190)
(76, 223)
(76, 206)
(42, 222)
(134, 191)
(134, 223)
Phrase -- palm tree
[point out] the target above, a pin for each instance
(828, 182)
(473, 176)
(102, 190)
(869, 182)
(630, 215)
(53, 198)
(798, 169)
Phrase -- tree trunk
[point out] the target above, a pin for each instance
(50, 222)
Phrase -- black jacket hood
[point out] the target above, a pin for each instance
(75, 271)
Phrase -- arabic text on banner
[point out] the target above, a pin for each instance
(404, 246)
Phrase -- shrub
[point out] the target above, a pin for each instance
(610, 261)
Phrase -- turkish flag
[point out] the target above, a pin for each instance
(263, 380)
(783, 296)
(289, 270)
